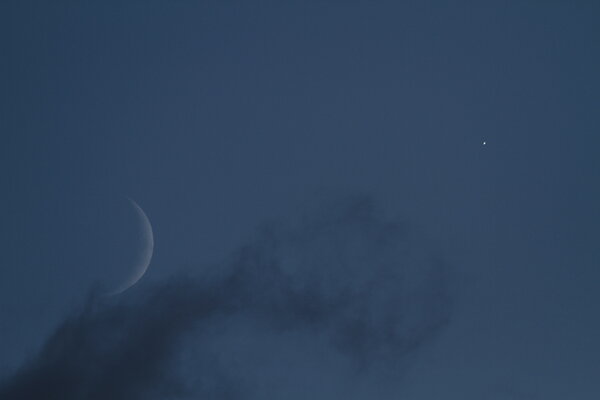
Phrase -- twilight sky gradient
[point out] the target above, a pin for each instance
(327, 221)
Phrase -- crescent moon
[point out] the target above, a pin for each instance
(145, 254)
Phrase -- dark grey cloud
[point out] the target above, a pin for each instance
(369, 288)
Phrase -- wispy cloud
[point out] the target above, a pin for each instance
(369, 287)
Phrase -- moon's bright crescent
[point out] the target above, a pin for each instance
(145, 254)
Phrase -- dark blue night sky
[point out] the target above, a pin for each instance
(328, 222)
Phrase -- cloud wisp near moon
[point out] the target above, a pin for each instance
(336, 294)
